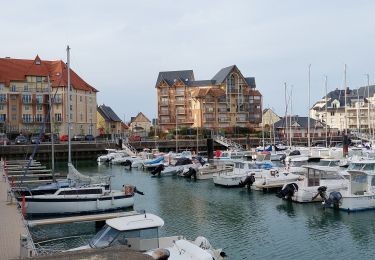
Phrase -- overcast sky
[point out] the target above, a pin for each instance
(120, 46)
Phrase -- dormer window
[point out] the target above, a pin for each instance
(37, 62)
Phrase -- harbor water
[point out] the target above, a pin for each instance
(247, 224)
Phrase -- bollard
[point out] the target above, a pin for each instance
(23, 246)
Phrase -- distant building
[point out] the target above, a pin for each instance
(108, 121)
(24, 98)
(299, 128)
(228, 99)
(269, 117)
(140, 125)
(357, 113)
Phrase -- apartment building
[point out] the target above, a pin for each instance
(356, 115)
(25, 94)
(228, 99)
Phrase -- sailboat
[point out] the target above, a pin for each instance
(83, 194)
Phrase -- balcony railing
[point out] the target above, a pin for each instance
(164, 103)
(224, 119)
(164, 112)
(209, 119)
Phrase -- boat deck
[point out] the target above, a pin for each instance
(12, 225)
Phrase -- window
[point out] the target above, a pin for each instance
(3, 97)
(1, 86)
(332, 113)
(39, 99)
(90, 99)
(58, 117)
(81, 116)
(38, 79)
(71, 116)
(71, 98)
(13, 97)
(2, 117)
(14, 117)
(26, 98)
(39, 107)
(27, 107)
(1, 107)
(27, 118)
(71, 107)
(14, 108)
(13, 88)
(26, 88)
(39, 118)
(80, 98)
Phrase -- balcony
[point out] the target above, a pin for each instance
(223, 110)
(164, 103)
(180, 111)
(209, 119)
(3, 101)
(224, 119)
(241, 119)
(209, 110)
(27, 121)
(26, 101)
(164, 112)
(180, 102)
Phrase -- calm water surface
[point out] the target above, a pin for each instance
(247, 224)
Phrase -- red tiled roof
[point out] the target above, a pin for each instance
(18, 69)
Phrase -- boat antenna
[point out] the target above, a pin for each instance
(68, 107)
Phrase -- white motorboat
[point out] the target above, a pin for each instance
(228, 155)
(360, 192)
(207, 170)
(84, 199)
(111, 155)
(140, 232)
(315, 184)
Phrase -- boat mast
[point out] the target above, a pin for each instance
(308, 119)
(51, 125)
(368, 105)
(68, 107)
(286, 115)
(345, 90)
(176, 134)
(358, 107)
(291, 114)
(325, 87)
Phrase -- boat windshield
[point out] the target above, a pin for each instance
(104, 237)
(324, 163)
(355, 166)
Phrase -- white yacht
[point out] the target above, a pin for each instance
(140, 232)
(360, 192)
(315, 184)
(111, 155)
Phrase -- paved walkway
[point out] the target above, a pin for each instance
(11, 225)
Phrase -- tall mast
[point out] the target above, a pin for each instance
(291, 114)
(51, 125)
(345, 90)
(358, 107)
(308, 118)
(325, 87)
(68, 108)
(176, 134)
(286, 114)
(368, 104)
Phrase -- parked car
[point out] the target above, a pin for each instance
(35, 139)
(4, 139)
(89, 138)
(55, 138)
(78, 138)
(64, 138)
(21, 139)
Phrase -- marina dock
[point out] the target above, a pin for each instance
(12, 226)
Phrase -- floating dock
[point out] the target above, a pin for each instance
(13, 227)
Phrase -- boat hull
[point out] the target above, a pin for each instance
(55, 206)
(357, 203)
(232, 180)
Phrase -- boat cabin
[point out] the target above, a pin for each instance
(362, 177)
(138, 232)
(315, 174)
(329, 162)
(89, 190)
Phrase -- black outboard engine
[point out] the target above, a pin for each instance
(127, 163)
(158, 169)
(191, 172)
(333, 199)
(288, 191)
(295, 152)
(321, 192)
(247, 182)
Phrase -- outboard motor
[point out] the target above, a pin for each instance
(295, 152)
(127, 163)
(321, 192)
(247, 182)
(201, 161)
(283, 156)
(191, 172)
(158, 169)
(161, 254)
(288, 191)
(333, 199)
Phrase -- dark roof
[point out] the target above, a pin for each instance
(339, 94)
(198, 83)
(251, 82)
(108, 113)
(222, 74)
(301, 120)
(171, 76)
(363, 91)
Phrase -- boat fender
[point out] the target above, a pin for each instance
(160, 254)
(203, 243)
